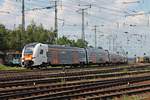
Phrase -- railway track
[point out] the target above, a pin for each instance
(69, 78)
(59, 69)
(137, 89)
(83, 84)
(76, 90)
(45, 74)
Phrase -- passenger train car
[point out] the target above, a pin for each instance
(42, 55)
(97, 56)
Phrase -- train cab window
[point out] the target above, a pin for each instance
(41, 52)
(29, 49)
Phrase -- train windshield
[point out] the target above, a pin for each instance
(29, 49)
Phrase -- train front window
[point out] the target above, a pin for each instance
(29, 50)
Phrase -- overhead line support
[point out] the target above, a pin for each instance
(83, 21)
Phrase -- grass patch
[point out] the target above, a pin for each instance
(54, 66)
(3, 67)
(126, 97)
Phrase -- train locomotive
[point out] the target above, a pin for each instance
(43, 55)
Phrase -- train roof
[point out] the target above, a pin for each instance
(63, 46)
(31, 44)
(70, 47)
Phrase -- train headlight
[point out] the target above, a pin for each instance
(28, 57)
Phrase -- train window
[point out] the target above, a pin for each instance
(41, 52)
(28, 51)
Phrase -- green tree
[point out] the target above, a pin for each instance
(15, 39)
(12, 40)
(81, 43)
(3, 37)
(39, 34)
(64, 41)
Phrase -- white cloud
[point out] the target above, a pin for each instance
(11, 18)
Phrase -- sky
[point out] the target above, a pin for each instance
(123, 25)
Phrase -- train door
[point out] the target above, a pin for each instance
(75, 58)
(64, 57)
(54, 59)
(93, 57)
(42, 55)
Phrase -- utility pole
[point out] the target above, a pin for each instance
(148, 20)
(56, 22)
(95, 30)
(83, 32)
(23, 22)
(113, 44)
(23, 16)
(109, 37)
(109, 42)
(56, 18)
(83, 20)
